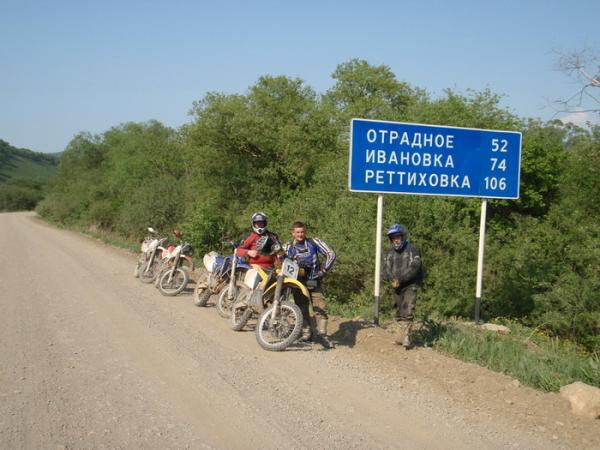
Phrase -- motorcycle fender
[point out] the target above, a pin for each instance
(292, 281)
(190, 262)
(264, 276)
(214, 283)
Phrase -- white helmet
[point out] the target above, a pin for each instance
(259, 217)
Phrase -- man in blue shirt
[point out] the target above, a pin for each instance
(306, 251)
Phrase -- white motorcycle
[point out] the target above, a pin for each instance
(174, 277)
(148, 264)
(223, 274)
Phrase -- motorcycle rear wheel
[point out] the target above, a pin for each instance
(140, 263)
(278, 334)
(201, 296)
(201, 292)
(177, 284)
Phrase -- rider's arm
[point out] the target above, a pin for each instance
(291, 251)
(326, 251)
(387, 268)
(243, 248)
(414, 266)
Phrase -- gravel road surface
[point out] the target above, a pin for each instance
(93, 359)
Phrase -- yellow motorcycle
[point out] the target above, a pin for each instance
(270, 295)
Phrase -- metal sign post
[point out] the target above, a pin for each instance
(378, 257)
(480, 260)
(410, 158)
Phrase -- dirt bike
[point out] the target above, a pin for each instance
(221, 272)
(148, 264)
(234, 286)
(270, 295)
(249, 298)
(174, 277)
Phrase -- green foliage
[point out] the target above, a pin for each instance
(23, 175)
(20, 194)
(282, 148)
(580, 186)
(475, 110)
(127, 179)
(568, 306)
(542, 154)
(77, 181)
(204, 229)
(530, 356)
(23, 163)
(273, 137)
(369, 92)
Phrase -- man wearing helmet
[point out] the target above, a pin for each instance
(248, 247)
(403, 268)
(306, 251)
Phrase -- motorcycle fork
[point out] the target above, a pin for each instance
(149, 264)
(230, 294)
(276, 301)
(174, 269)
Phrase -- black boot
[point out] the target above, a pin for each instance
(307, 334)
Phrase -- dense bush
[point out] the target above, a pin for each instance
(20, 195)
(282, 148)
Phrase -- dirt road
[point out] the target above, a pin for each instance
(91, 358)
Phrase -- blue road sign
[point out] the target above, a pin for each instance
(408, 158)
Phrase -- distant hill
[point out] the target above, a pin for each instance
(20, 163)
(23, 176)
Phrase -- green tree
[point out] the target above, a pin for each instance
(282, 148)
(369, 92)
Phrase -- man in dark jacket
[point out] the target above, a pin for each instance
(403, 268)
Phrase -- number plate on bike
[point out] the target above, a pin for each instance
(290, 268)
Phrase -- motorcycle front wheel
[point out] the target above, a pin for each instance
(148, 276)
(178, 281)
(241, 311)
(226, 301)
(278, 333)
(240, 317)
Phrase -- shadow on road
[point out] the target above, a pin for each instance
(347, 332)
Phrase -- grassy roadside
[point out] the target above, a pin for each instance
(535, 359)
(104, 236)
(531, 357)
(112, 239)
(526, 354)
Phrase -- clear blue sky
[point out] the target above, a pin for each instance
(72, 66)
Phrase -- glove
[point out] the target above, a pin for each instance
(317, 275)
(395, 283)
